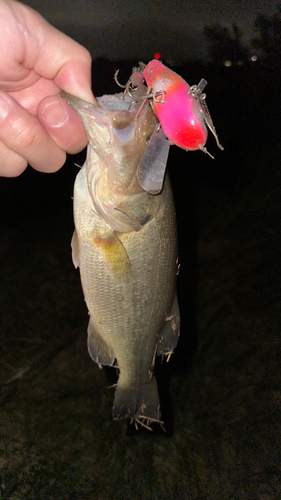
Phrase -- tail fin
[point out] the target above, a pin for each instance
(140, 403)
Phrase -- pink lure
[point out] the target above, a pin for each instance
(180, 115)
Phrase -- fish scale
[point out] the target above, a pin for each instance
(106, 303)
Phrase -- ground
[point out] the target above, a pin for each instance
(220, 393)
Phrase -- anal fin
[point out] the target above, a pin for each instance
(98, 349)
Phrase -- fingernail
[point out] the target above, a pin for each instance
(55, 114)
(4, 107)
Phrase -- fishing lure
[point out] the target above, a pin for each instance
(182, 112)
(179, 112)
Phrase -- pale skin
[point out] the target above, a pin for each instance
(37, 61)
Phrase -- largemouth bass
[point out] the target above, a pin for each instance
(125, 244)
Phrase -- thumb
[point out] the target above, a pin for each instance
(75, 79)
(55, 56)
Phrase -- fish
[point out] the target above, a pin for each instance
(126, 247)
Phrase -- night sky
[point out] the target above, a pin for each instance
(122, 29)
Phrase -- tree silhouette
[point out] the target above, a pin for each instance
(268, 37)
(225, 44)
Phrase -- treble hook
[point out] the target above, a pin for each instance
(196, 92)
(157, 96)
(133, 84)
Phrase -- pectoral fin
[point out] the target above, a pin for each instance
(98, 349)
(75, 250)
(171, 332)
(115, 256)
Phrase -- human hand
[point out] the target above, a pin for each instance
(37, 61)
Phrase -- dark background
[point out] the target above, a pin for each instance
(220, 393)
(120, 29)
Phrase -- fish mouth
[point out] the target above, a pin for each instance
(113, 112)
(117, 132)
(122, 134)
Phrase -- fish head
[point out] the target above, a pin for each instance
(118, 134)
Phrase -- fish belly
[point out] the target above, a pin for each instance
(128, 313)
